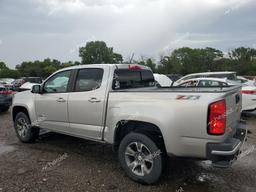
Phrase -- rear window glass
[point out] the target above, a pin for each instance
(126, 79)
(230, 76)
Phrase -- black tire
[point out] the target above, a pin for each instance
(29, 133)
(154, 172)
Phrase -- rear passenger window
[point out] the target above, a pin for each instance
(207, 83)
(204, 83)
(127, 79)
(88, 79)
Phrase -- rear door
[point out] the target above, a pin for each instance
(87, 101)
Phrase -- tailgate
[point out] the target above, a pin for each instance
(233, 113)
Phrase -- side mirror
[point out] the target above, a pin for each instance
(36, 89)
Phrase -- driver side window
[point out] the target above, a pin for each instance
(57, 83)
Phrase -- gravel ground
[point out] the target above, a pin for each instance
(62, 163)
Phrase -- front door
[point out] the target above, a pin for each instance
(51, 105)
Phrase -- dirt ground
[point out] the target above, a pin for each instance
(62, 163)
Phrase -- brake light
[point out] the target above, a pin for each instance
(134, 67)
(217, 118)
(6, 92)
(250, 92)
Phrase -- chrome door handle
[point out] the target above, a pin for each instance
(94, 100)
(61, 100)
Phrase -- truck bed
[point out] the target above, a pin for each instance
(184, 89)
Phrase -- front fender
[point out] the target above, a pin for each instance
(25, 100)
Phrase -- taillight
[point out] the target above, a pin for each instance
(6, 92)
(134, 67)
(250, 92)
(217, 118)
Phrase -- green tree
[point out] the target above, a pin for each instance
(149, 63)
(243, 60)
(243, 54)
(38, 68)
(3, 65)
(29, 68)
(68, 64)
(42, 68)
(48, 70)
(9, 73)
(187, 60)
(210, 55)
(98, 52)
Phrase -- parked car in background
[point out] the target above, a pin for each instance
(18, 84)
(208, 82)
(246, 81)
(120, 105)
(248, 92)
(162, 80)
(174, 77)
(249, 98)
(5, 98)
(37, 80)
(7, 82)
(225, 74)
(27, 86)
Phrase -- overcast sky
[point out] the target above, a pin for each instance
(37, 29)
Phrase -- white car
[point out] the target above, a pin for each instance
(27, 86)
(249, 98)
(224, 74)
(7, 82)
(163, 80)
(248, 92)
(245, 81)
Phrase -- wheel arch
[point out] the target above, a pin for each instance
(17, 109)
(151, 130)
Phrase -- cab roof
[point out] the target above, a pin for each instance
(119, 66)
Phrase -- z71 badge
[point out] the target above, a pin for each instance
(188, 97)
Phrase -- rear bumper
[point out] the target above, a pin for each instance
(223, 154)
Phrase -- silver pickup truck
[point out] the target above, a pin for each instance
(120, 104)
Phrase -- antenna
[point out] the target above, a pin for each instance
(131, 58)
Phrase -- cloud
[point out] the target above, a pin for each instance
(222, 41)
(236, 5)
(192, 40)
(36, 29)
(78, 6)
(76, 48)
